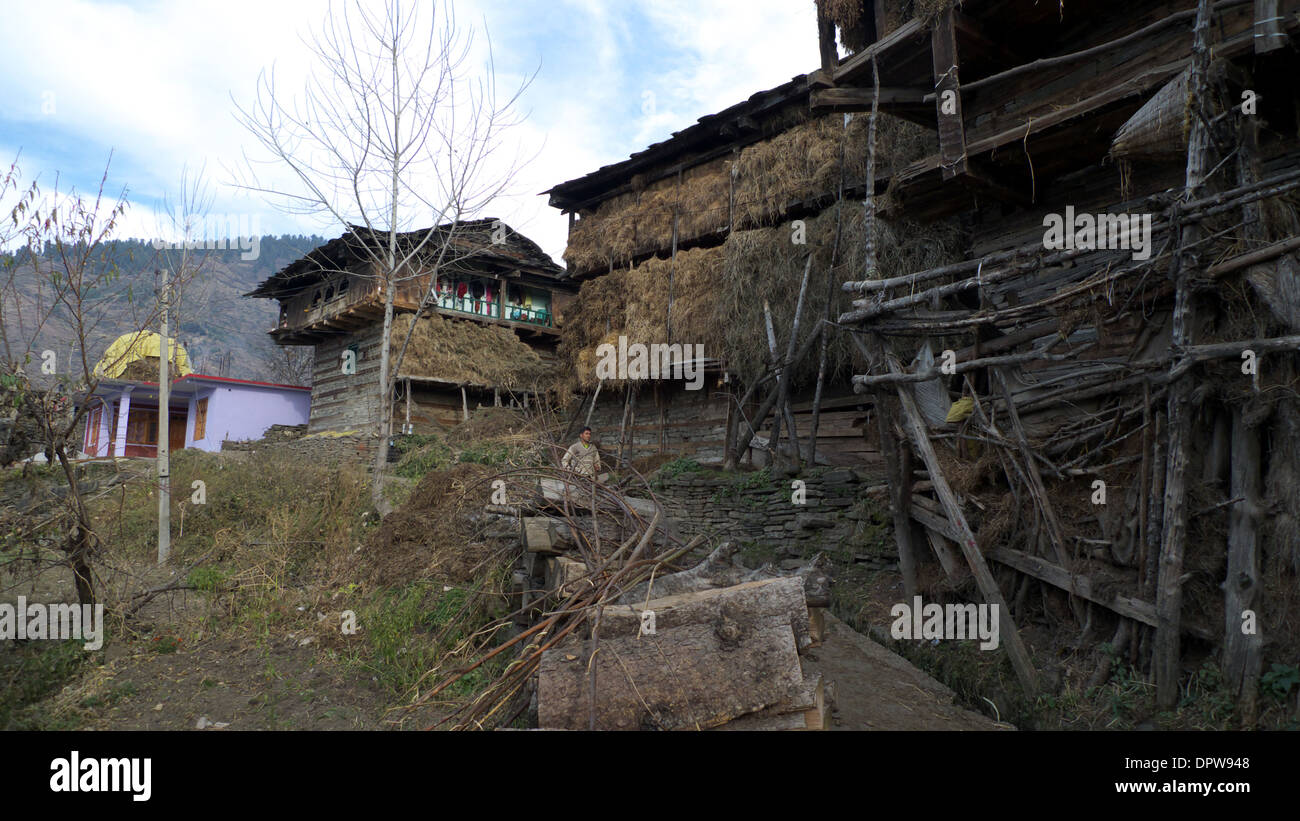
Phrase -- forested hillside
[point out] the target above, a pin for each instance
(224, 333)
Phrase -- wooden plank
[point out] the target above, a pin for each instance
(1242, 651)
(952, 133)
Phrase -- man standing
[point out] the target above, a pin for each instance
(582, 456)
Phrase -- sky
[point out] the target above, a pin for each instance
(156, 86)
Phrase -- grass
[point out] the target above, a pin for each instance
(32, 672)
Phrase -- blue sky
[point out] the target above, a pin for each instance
(153, 82)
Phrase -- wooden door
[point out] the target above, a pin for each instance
(176, 431)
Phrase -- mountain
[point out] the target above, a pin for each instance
(224, 333)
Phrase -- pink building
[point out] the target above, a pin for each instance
(203, 412)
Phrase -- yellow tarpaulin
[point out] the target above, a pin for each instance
(133, 347)
(961, 409)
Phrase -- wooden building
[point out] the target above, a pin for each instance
(1094, 369)
(487, 330)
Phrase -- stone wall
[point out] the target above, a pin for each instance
(328, 447)
(837, 514)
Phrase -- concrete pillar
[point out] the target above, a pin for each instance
(123, 413)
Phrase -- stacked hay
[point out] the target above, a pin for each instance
(855, 25)
(800, 163)
(718, 293)
(461, 350)
(641, 222)
(634, 302)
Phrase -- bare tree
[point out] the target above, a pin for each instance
(398, 135)
(60, 289)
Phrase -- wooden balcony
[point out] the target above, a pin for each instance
(363, 304)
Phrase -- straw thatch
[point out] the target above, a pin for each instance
(800, 163)
(465, 351)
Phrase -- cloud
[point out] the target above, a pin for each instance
(153, 82)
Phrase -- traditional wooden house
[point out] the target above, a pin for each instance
(1078, 224)
(488, 325)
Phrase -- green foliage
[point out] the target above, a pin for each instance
(1280, 680)
(206, 579)
(490, 453)
(675, 468)
(421, 454)
(35, 671)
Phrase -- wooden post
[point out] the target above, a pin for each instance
(1169, 592)
(784, 384)
(622, 426)
(952, 135)
(900, 491)
(1269, 35)
(464, 404)
(408, 405)
(826, 40)
(594, 397)
(164, 430)
(1242, 651)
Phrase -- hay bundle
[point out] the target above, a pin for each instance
(462, 350)
(633, 302)
(718, 293)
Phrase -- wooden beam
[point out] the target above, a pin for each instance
(1242, 651)
(859, 99)
(952, 133)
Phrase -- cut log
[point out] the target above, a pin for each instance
(714, 656)
(806, 708)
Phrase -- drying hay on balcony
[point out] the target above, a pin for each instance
(641, 222)
(718, 293)
(635, 303)
(800, 163)
(804, 162)
(465, 351)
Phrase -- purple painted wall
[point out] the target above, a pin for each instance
(240, 412)
(236, 411)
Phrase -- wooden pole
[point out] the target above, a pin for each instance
(164, 429)
(1169, 594)
(464, 404)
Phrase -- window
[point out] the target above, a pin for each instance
(94, 431)
(200, 419)
(142, 427)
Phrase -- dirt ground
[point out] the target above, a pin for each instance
(283, 686)
(876, 689)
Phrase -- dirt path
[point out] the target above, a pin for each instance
(876, 689)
